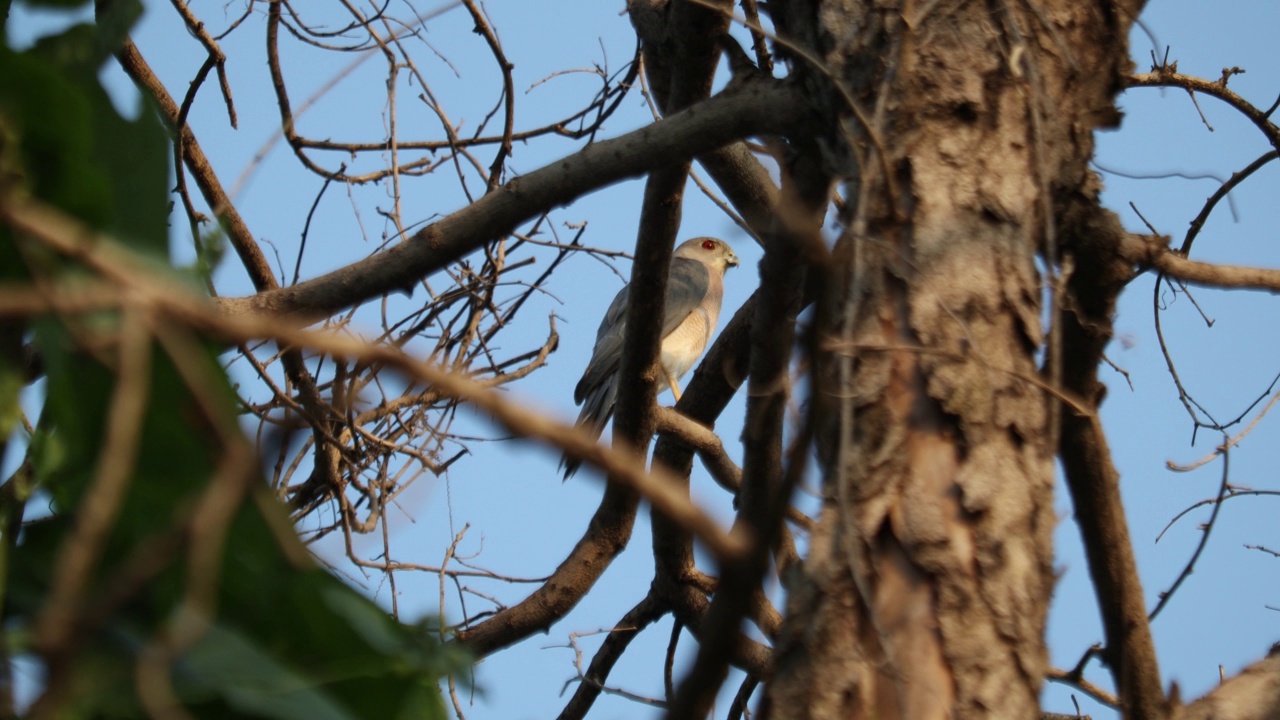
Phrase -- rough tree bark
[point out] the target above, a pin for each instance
(963, 132)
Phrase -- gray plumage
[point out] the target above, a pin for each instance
(695, 289)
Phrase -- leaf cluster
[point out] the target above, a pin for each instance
(163, 574)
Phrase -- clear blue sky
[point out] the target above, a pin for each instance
(523, 520)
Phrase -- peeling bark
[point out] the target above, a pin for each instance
(930, 574)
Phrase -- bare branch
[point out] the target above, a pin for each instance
(753, 109)
(590, 684)
(128, 272)
(197, 163)
(1095, 283)
(1166, 76)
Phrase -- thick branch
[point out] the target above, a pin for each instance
(1252, 695)
(1220, 276)
(136, 67)
(675, 37)
(766, 491)
(758, 108)
(714, 384)
(745, 183)
(734, 168)
(681, 74)
(706, 443)
(606, 534)
(690, 607)
(634, 422)
(1091, 475)
(1151, 252)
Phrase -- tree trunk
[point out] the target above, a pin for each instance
(964, 132)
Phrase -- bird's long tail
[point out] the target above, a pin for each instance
(596, 411)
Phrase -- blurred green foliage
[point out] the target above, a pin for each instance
(242, 621)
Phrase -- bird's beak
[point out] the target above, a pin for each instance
(732, 260)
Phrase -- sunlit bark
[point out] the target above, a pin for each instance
(965, 133)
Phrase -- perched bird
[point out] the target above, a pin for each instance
(694, 291)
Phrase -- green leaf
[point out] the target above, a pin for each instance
(114, 20)
(55, 3)
(288, 640)
(369, 622)
(231, 666)
(134, 154)
(10, 387)
(49, 139)
(60, 134)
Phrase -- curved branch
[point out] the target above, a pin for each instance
(508, 91)
(1205, 530)
(745, 183)
(610, 527)
(637, 618)
(255, 263)
(693, 69)
(690, 607)
(757, 108)
(1254, 694)
(706, 443)
(1222, 191)
(675, 37)
(1165, 77)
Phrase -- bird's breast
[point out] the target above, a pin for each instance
(681, 349)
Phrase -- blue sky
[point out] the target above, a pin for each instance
(523, 520)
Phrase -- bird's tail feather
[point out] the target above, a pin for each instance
(596, 411)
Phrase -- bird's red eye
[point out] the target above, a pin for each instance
(708, 244)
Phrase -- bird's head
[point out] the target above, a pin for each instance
(711, 252)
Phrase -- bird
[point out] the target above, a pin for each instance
(695, 288)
